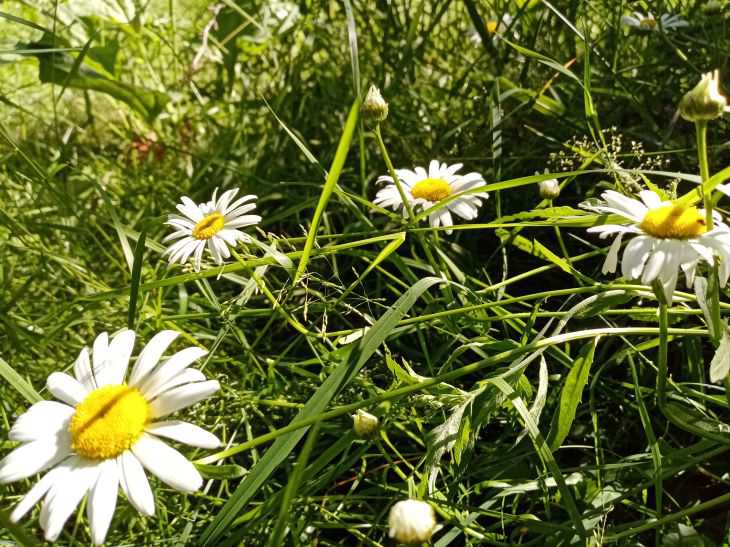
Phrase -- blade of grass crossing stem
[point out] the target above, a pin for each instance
(136, 275)
(544, 452)
(20, 384)
(277, 535)
(334, 174)
(353, 360)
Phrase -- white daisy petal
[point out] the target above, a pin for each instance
(182, 397)
(66, 388)
(635, 256)
(167, 464)
(150, 355)
(135, 484)
(120, 349)
(187, 376)
(654, 265)
(609, 265)
(43, 419)
(103, 500)
(99, 354)
(184, 432)
(65, 495)
(35, 494)
(171, 368)
(34, 457)
(82, 370)
(651, 199)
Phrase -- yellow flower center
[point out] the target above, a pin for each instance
(648, 22)
(492, 26)
(108, 422)
(431, 190)
(209, 226)
(675, 221)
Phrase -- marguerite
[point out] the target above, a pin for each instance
(103, 432)
(425, 189)
(670, 235)
(649, 22)
(216, 223)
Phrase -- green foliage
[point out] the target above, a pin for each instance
(477, 349)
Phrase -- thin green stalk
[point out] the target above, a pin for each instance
(661, 379)
(656, 454)
(701, 127)
(713, 287)
(392, 173)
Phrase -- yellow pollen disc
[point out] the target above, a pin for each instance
(647, 22)
(492, 26)
(675, 221)
(108, 422)
(431, 190)
(209, 226)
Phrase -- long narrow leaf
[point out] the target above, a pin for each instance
(334, 174)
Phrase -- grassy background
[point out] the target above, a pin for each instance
(83, 171)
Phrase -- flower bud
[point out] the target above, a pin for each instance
(549, 189)
(365, 424)
(411, 522)
(374, 106)
(704, 102)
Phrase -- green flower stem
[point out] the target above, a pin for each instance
(701, 127)
(392, 173)
(714, 285)
(661, 379)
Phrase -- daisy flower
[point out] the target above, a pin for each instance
(649, 22)
(427, 188)
(216, 223)
(102, 432)
(669, 235)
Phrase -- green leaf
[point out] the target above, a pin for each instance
(354, 358)
(220, 472)
(59, 68)
(570, 395)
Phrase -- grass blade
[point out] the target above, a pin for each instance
(136, 275)
(334, 174)
(20, 384)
